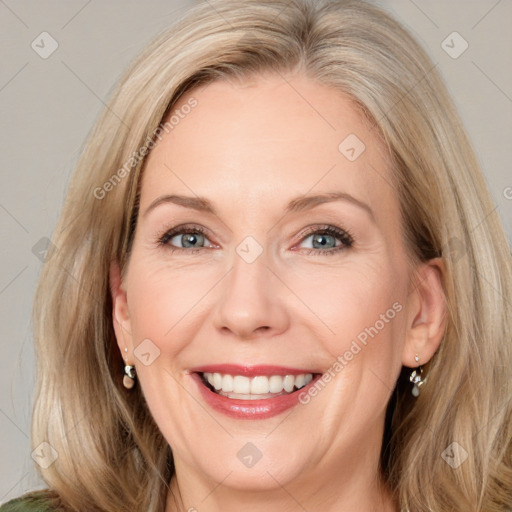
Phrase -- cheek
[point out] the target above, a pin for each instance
(161, 296)
(353, 297)
(365, 309)
(362, 307)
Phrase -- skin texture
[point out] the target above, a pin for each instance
(250, 148)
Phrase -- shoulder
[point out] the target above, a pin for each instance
(35, 501)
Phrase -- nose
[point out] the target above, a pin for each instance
(252, 302)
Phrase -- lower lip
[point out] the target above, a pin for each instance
(250, 409)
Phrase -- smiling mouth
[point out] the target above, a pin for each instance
(241, 387)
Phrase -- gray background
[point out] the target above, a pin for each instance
(48, 107)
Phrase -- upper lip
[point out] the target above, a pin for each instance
(251, 370)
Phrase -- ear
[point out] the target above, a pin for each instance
(120, 313)
(426, 319)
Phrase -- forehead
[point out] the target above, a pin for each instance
(264, 141)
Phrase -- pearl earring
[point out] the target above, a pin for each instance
(129, 373)
(416, 378)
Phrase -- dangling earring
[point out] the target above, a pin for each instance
(417, 379)
(129, 373)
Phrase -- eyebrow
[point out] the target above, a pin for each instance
(298, 204)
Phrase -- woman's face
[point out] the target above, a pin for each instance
(268, 244)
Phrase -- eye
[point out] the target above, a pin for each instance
(328, 239)
(185, 238)
(317, 240)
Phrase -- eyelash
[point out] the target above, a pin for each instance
(163, 240)
(344, 236)
(347, 240)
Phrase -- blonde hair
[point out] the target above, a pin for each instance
(111, 454)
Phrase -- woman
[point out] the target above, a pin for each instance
(276, 282)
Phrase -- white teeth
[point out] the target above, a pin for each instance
(300, 380)
(241, 384)
(276, 384)
(217, 381)
(289, 383)
(247, 388)
(259, 385)
(227, 382)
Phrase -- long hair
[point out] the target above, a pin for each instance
(110, 454)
